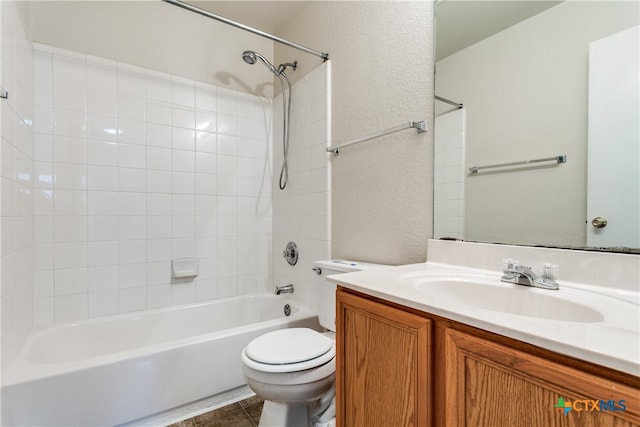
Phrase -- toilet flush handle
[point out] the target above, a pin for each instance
(318, 270)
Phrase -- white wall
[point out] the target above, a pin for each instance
(509, 121)
(16, 176)
(381, 76)
(157, 36)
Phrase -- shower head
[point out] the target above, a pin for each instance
(251, 57)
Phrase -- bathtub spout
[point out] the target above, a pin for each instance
(287, 289)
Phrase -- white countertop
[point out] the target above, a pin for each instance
(611, 339)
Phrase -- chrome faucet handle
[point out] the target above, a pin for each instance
(544, 276)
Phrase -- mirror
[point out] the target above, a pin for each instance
(524, 73)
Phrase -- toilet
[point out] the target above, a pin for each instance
(293, 370)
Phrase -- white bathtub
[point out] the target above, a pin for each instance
(118, 369)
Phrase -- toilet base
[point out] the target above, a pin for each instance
(276, 414)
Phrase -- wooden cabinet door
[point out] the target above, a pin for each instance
(383, 365)
(489, 384)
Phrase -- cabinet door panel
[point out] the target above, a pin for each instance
(488, 384)
(383, 365)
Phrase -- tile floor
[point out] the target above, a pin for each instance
(245, 413)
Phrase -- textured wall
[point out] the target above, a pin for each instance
(382, 76)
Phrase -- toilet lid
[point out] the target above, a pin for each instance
(287, 346)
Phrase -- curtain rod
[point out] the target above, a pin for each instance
(191, 8)
(446, 101)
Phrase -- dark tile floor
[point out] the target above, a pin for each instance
(245, 413)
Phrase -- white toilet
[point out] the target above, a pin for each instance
(293, 370)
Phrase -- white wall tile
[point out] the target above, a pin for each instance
(70, 228)
(102, 178)
(136, 168)
(103, 303)
(70, 255)
(70, 202)
(159, 181)
(131, 180)
(102, 227)
(183, 139)
(69, 96)
(102, 278)
(102, 253)
(183, 92)
(158, 86)
(101, 127)
(158, 296)
(158, 113)
(206, 142)
(132, 299)
(70, 308)
(104, 153)
(131, 107)
(132, 275)
(183, 117)
(131, 131)
(159, 204)
(158, 158)
(131, 156)
(101, 74)
(158, 227)
(205, 97)
(70, 281)
(102, 102)
(70, 150)
(69, 123)
(72, 68)
(131, 80)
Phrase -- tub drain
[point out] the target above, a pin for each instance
(287, 309)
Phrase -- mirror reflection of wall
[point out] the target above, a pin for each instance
(525, 92)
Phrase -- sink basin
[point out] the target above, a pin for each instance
(511, 299)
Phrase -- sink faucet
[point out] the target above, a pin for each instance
(513, 272)
(287, 289)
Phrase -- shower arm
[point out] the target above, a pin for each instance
(191, 8)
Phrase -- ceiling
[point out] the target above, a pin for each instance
(264, 15)
(461, 23)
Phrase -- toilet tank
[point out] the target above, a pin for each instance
(326, 291)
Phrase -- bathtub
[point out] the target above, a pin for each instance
(119, 369)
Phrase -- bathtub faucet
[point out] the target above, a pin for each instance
(287, 289)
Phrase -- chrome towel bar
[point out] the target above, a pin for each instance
(420, 126)
(562, 158)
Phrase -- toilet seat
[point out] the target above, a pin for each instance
(289, 350)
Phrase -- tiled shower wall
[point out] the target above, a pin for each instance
(301, 213)
(135, 168)
(16, 188)
(449, 175)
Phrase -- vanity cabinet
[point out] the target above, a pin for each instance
(397, 366)
(383, 365)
